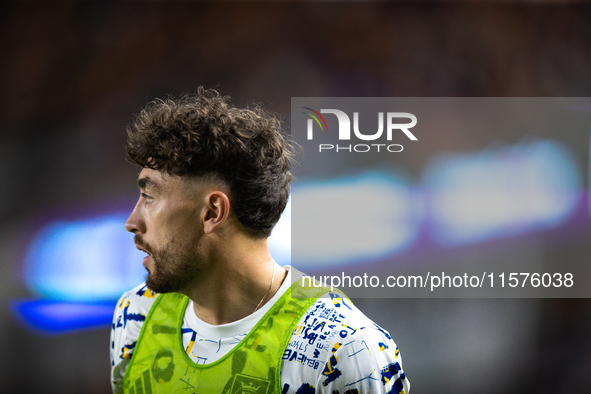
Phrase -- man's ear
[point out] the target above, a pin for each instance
(217, 210)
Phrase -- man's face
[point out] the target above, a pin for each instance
(166, 226)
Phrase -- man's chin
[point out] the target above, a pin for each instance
(157, 286)
(153, 285)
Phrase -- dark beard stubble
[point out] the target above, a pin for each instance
(174, 267)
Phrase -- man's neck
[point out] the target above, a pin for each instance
(241, 278)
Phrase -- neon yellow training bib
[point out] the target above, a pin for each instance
(159, 363)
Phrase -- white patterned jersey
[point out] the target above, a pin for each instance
(334, 348)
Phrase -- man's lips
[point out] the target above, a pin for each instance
(143, 249)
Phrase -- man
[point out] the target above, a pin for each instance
(216, 314)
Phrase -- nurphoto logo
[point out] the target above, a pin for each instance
(344, 132)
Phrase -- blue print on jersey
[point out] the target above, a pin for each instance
(398, 386)
(129, 316)
(306, 389)
(389, 372)
(330, 370)
(382, 331)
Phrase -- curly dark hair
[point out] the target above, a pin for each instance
(203, 134)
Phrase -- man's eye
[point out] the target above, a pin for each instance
(146, 197)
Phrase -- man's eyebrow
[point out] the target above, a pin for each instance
(146, 181)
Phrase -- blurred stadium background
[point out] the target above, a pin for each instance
(74, 73)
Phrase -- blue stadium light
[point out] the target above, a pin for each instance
(83, 260)
(51, 316)
(280, 239)
(78, 269)
(502, 191)
(353, 220)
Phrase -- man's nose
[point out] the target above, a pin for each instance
(135, 223)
